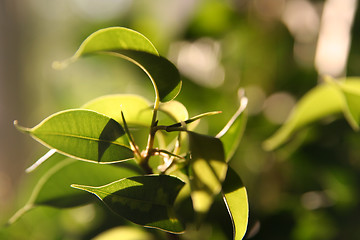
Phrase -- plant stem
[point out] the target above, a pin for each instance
(145, 156)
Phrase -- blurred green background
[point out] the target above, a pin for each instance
(276, 49)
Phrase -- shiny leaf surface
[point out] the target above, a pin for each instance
(207, 170)
(83, 134)
(145, 200)
(235, 197)
(53, 188)
(134, 47)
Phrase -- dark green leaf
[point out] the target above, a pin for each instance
(207, 170)
(235, 197)
(163, 74)
(83, 134)
(145, 200)
(53, 188)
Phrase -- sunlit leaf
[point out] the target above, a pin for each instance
(231, 134)
(136, 108)
(53, 188)
(125, 233)
(83, 134)
(207, 170)
(350, 88)
(136, 48)
(235, 197)
(145, 200)
(175, 110)
(333, 97)
(114, 38)
(321, 101)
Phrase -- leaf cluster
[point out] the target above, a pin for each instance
(100, 150)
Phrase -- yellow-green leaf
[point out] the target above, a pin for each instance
(175, 110)
(84, 135)
(350, 88)
(235, 197)
(136, 109)
(136, 48)
(321, 101)
(125, 233)
(207, 170)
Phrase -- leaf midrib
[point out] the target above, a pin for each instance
(79, 137)
(129, 199)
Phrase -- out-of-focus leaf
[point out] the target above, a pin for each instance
(53, 188)
(83, 134)
(175, 110)
(335, 96)
(350, 88)
(134, 47)
(145, 200)
(125, 233)
(235, 197)
(136, 109)
(231, 134)
(321, 101)
(207, 170)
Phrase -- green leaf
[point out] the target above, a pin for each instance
(53, 188)
(175, 110)
(163, 74)
(321, 101)
(114, 38)
(125, 233)
(134, 47)
(145, 200)
(84, 135)
(235, 197)
(136, 108)
(232, 133)
(207, 170)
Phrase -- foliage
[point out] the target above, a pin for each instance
(103, 135)
(305, 186)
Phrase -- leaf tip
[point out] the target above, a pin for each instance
(77, 186)
(20, 128)
(81, 187)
